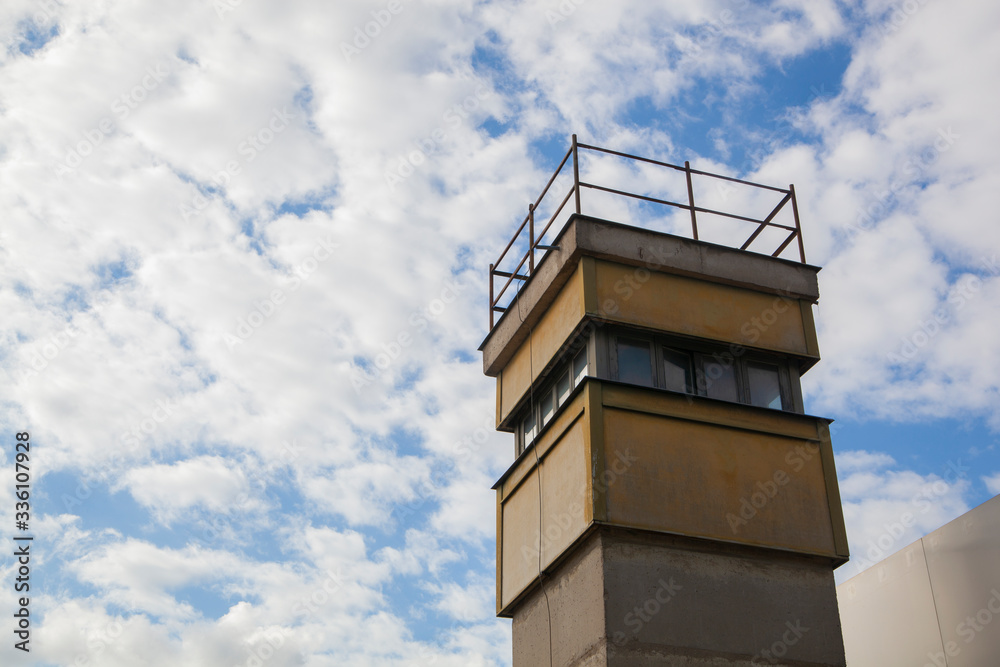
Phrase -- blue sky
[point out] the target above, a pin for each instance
(244, 251)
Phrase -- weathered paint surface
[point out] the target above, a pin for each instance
(543, 344)
(672, 464)
(524, 546)
(708, 310)
(730, 484)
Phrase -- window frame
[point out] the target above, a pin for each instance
(549, 389)
(652, 348)
(698, 353)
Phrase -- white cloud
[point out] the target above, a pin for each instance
(885, 510)
(462, 602)
(860, 460)
(993, 483)
(120, 309)
(210, 482)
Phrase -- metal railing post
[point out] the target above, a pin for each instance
(535, 236)
(694, 219)
(531, 239)
(798, 229)
(576, 174)
(491, 297)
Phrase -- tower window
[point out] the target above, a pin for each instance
(677, 375)
(580, 367)
(551, 396)
(719, 380)
(765, 385)
(565, 385)
(708, 370)
(635, 364)
(547, 407)
(528, 430)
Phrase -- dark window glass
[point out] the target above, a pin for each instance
(562, 388)
(720, 380)
(529, 428)
(546, 407)
(634, 364)
(580, 367)
(765, 388)
(677, 370)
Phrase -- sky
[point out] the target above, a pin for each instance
(243, 272)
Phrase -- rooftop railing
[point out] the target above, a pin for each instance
(526, 266)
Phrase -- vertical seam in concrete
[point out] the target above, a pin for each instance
(937, 614)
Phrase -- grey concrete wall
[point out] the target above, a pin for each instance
(703, 603)
(575, 606)
(637, 599)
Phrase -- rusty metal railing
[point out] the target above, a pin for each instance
(575, 190)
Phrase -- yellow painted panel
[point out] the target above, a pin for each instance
(544, 342)
(520, 529)
(700, 308)
(569, 413)
(525, 548)
(716, 482)
(564, 494)
(668, 404)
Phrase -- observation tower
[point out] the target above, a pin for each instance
(670, 501)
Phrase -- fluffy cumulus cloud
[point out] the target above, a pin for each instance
(243, 251)
(887, 507)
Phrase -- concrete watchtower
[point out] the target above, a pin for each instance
(670, 502)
